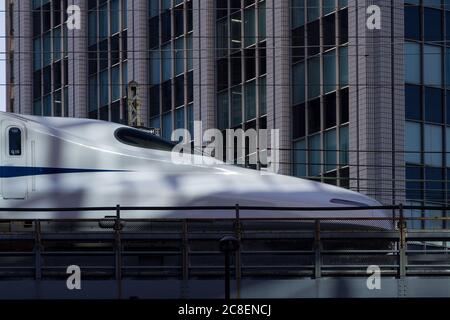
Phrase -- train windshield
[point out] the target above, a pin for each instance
(142, 139)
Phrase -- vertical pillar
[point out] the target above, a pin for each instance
(204, 63)
(138, 69)
(23, 57)
(377, 101)
(278, 78)
(77, 43)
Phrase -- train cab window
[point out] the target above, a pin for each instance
(15, 141)
(142, 139)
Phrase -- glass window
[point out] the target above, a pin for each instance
(314, 155)
(178, 21)
(433, 145)
(262, 21)
(37, 54)
(330, 150)
(329, 71)
(115, 85)
(433, 104)
(93, 104)
(250, 26)
(167, 126)
(47, 51)
(343, 66)
(15, 141)
(92, 27)
(250, 100)
(166, 62)
(48, 106)
(314, 116)
(413, 183)
(179, 118)
(329, 6)
(432, 25)
(300, 158)
(447, 63)
(299, 83)
(413, 102)
(262, 96)
(153, 8)
(413, 142)
(434, 188)
(103, 22)
(412, 62)
(236, 106)
(412, 22)
(313, 9)
(179, 56)
(298, 13)
(330, 110)
(222, 110)
(329, 31)
(313, 77)
(313, 36)
(104, 97)
(447, 147)
(155, 67)
(343, 146)
(115, 13)
(432, 65)
(57, 44)
(298, 125)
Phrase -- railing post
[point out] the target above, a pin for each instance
(402, 243)
(185, 252)
(228, 245)
(238, 234)
(37, 250)
(317, 251)
(118, 241)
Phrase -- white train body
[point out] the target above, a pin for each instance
(64, 163)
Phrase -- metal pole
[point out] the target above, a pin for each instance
(227, 276)
(37, 250)
(185, 252)
(228, 245)
(402, 243)
(317, 251)
(117, 229)
(238, 230)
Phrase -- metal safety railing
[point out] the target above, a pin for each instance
(120, 248)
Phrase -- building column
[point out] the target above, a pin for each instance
(23, 57)
(204, 46)
(279, 79)
(77, 43)
(138, 69)
(376, 77)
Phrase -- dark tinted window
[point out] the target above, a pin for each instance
(314, 116)
(15, 142)
(433, 104)
(413, 102)
(432, 25)
(412, 22)
(313, 29)
(142, 139)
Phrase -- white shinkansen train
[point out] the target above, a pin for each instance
(66, 163)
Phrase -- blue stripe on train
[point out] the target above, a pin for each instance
(13, 172)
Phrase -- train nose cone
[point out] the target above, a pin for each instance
(249, 188)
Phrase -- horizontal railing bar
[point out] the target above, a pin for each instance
(332, 252)
(279, 252)
(217, 208)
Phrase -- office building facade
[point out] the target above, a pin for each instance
(358, 107)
